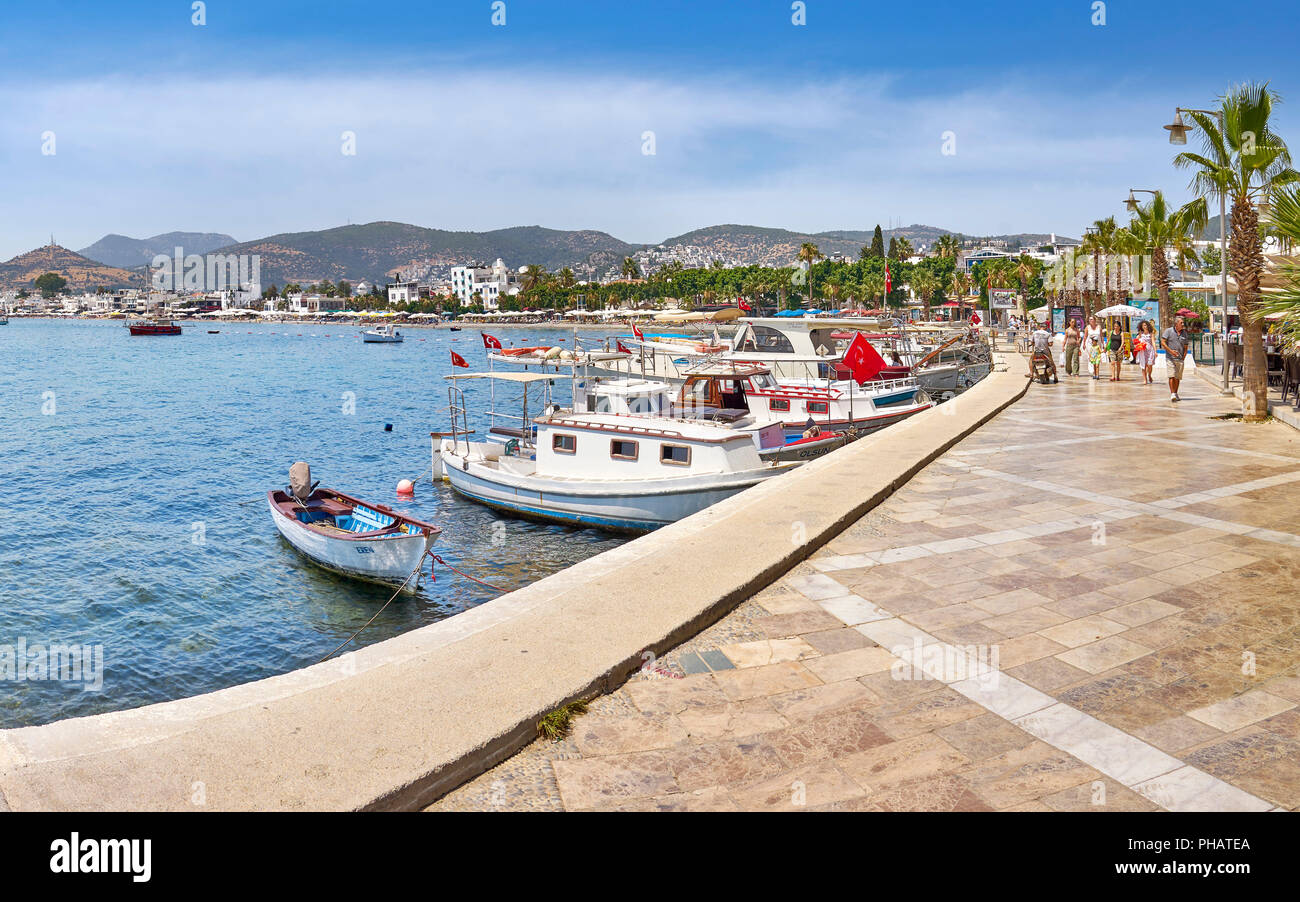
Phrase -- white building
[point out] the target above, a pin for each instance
(489, 282)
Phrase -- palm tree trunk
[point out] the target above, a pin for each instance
(1160, 275)
(1247, 266)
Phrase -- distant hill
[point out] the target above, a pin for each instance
(119, 250)
(778, 247)
(378, 251)
(82, 274)
(375, 250)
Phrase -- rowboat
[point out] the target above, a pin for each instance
(154, 327)
(350, 537)
(384, 334)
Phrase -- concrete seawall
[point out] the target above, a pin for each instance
(398, 724)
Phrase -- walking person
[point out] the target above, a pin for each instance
(1174, 343)
(1092, 347)
(1115, 352)
(1072, 340)
(1144, 349)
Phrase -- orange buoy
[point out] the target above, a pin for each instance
(405, 487)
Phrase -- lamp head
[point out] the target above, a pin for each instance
(1178, 129)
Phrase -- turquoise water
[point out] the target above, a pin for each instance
(133, 472)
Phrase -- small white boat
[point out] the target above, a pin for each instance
(629, 473)
(347, 536)
(385, 334)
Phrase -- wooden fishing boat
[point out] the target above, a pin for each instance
(348, 536)
(154, 327)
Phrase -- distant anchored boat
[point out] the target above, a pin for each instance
(154, 326)
(384, 334)
(347, 536)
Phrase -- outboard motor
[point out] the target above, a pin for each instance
(300, 484)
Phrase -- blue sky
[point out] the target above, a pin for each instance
(238, 125)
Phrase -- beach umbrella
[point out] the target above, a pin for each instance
(1119, 310)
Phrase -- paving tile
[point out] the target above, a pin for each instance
(750, 682)
(1243, 710)
(692, 663)
(733, 719)
(941, 793)
(816, 784)
(1139, 612)
(1189, 789)
(847, 665)
(1098, 656)
(1097, 744)
(853, 609)
(1101, 795)
(766, 651)
(828, 642)
(1074, 633)
(669, 696)
(783, 626)
(590, 782)
(620, 735)
(886, 766)
(824, 700)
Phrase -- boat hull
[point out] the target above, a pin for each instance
(627, 506)
(155, 330)
(380, 340)
(387, 560)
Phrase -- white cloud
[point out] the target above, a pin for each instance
(252, 155)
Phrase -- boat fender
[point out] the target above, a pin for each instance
(552, 353)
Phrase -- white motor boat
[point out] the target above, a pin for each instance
(384, 334)
(629, 473)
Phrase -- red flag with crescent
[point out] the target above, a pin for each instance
(457, 360)
(622, 348)
(889, 280)
(637, 332)
(489, 342)
(863, 360)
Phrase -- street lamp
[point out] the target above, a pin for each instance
(1177, 136)
(1132, 205)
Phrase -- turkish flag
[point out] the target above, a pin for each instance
(975, 319)
(622, 348)
(740, 302)
(457, 360)
(889, 280)
(489, 342)
(637, 333)
(863, 360)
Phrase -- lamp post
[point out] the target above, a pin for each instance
(1178, 136)
(1131, 204)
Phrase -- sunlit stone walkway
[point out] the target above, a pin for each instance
(1090, 604)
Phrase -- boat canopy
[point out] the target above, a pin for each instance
(506, 377)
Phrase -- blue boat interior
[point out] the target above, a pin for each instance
(361, 519)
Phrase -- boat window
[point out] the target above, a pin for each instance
(678, 455)
(817, 407)
(622, 449)
(769, 341)
(763, 381)
(564, 444)
(779, 403)
(823, 340)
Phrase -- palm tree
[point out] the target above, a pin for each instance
(566, 278)
(1024, 268)
(630, 269)
(925, 283)
(809, 254)
(1100, 241)
(1285, 216)
(947, 246)
(1154, 229)
(1245, 162)
(534, 277)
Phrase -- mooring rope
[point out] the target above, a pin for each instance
(438, 559)
(380, 611)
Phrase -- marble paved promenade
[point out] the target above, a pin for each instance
(1090, 604)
